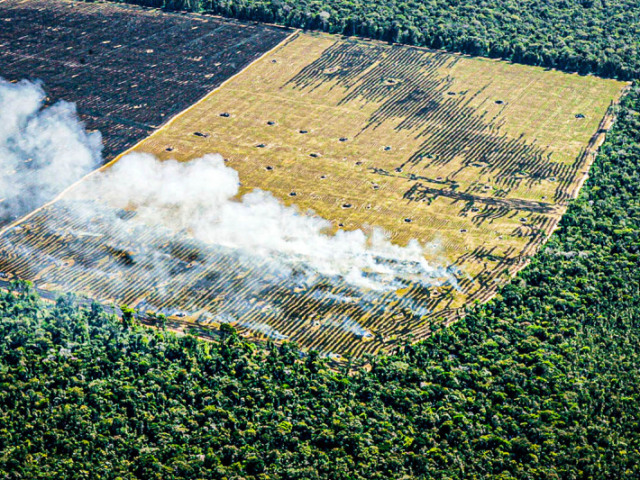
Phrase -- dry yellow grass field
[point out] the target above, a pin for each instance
(478, 154)
(475, 158)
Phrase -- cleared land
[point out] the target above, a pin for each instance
(128, 69)
(476, 158)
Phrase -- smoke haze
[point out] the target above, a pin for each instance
(199, 198)
(174, 236)
(42, 150)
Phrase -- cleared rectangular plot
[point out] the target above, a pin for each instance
(474, 156)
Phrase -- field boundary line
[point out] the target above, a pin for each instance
(118, 157)
(590, 154)
(597, 140)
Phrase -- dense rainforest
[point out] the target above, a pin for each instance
(540, 383)
(586, 36)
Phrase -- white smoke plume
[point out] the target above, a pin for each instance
(199, 198)
(42, 150)
(123, 231)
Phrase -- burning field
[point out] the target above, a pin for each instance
(345, 194)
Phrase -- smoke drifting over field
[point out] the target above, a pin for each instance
(170, 236)
(199, 198)
(42, 150)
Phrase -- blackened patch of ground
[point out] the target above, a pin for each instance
(128, 69)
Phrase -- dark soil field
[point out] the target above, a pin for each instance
(128, 69)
